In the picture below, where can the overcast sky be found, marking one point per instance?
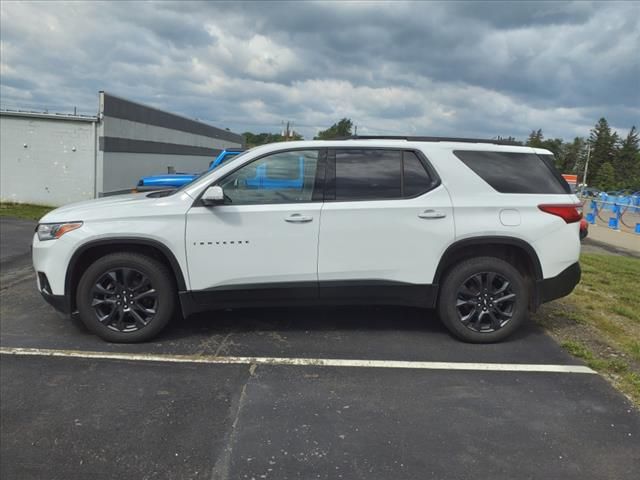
(457, 69)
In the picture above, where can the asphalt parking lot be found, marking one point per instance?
(213, 398)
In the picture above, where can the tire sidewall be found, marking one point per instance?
(160, 279)
(462, 271)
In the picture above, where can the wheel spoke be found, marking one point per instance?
(148, 293)
(495, 323)
(142, 308)
(140, 322)
(466, 292)
(465, 319)
(462, 302)
(490, 278)
(503, 288)
(102, 301)
(508, 297)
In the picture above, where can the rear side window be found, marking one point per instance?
(363, 174)
(367, 174)
(514, 172)
(416, 180)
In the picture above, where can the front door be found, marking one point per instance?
(264, 239)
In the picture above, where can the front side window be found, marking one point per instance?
(283, 177)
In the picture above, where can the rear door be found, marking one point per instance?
(385, 223)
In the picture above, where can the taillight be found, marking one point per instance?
(569, 213)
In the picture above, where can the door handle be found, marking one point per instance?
(298, 218)
(432, 214)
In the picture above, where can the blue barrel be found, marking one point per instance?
(591, 218)
(613, 223)
(638, 228)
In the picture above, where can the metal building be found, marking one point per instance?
(55, 159)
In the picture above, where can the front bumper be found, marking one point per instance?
(560, 285)
(59, 302)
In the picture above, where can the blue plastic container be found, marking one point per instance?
(613, 223)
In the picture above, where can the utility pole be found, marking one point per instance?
(586, 168)
(287, 133)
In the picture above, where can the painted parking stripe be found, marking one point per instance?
(316, 362)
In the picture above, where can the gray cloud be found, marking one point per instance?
(454, 68)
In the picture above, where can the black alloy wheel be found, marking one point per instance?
(483, 299)
(124, 300)
(485, 302)
(126, 297)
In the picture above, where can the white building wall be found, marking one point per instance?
(47, 161)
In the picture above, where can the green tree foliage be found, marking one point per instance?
(605, 179)
(255, 139)
(603, 144)
(554, 145)
(627, 161)
(573, 156)
(337, 130)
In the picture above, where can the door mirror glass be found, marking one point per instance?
(213, 196)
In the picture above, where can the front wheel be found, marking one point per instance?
(126, 297)
(483, 300)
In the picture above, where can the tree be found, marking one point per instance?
(605, 179)
(535, 139)
(603, 150)
(573, 157)
(255, 139)
(337, 130)
(627, 161)
(554, 145)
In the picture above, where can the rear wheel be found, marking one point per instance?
(126, 297)
(483, 300)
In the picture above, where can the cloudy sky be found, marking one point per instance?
(456, 68)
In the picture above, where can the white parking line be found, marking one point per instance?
(315, 362)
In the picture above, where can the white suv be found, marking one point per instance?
(482, 231)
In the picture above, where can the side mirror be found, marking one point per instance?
(213, 196)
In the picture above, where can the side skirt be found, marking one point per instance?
(361, 292)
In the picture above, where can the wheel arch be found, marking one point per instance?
(514, 250)
(92, 250)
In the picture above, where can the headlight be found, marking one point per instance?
(51, 231)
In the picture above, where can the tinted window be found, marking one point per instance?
(510, 172)
(283, 177)
(416, 179)
(367, 174)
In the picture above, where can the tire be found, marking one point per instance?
(493, 315)
(134, 295)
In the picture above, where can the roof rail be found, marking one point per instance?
(430, 139)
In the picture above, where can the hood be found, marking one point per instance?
(86, 209)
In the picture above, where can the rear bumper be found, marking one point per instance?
(560, 285)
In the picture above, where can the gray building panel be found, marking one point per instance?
(115, 144)
(127, 110)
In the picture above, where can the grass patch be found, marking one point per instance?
(24, 210)
(600, 321)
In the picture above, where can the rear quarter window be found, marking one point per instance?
(515, 172)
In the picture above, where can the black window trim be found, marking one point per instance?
(318, 188)
(330, 183)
